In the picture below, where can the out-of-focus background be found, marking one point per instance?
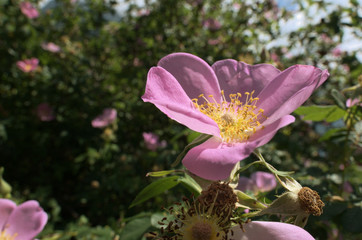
(76, 136)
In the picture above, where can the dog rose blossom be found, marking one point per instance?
(28, 10)
(240, 105)
(28, 65)
(21, 222)
(107, 117)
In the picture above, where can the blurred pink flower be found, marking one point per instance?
(351, 102)
(346, 68)
(213, 41)
(51, 47)
(28, 10)
(240, 105)
(28, 65)
(326, 39)
(347, 187)
(337, 52)
(137, 62)
(258, 182)
(21, 222)
(143, 12)
(212, 24)
(45, 112)
(259, 230)
(152, 141)
(108, 116)
(274, 57)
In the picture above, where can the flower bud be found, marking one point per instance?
(5, 188)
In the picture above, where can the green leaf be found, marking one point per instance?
(197, 141)
(160, 173)
(319, 113)
(135, 229)
(157, 217)
(155, 189)
(338, 98)
(247, 166)
(331, 133)
(277, 172)
(191, 185)
(248, 201)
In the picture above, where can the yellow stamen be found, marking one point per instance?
(27, 67)
(237, 120)
(5, 236)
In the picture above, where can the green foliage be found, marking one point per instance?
(320, 113)
(155, 188)
(79, 172)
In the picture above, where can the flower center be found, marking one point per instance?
(5, 236)
(201, 228)
(237, 120)
(28, 67)
(310, 201)
(209, 217)
(201, 231)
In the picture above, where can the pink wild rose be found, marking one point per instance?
(351, 102)
(269, 231)
(258, 182)
(45, 112)
(28, 65)
(21, 222)
(108, 116)
(28, 10)
(152, 141)
(212, 24)
(51, 47)
(240, 105)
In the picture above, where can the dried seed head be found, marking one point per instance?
(310, 201)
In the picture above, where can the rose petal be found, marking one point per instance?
(245, 184)
(240, 77)
(27, 220)
(270, 231)
(6, 208)
(263, 136)
(194, 74)
(264, 181)
(163, 90)
(214, 160)
(289, 90)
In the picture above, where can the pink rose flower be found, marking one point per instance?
(28, 10)
(28, 65)
(213, 41)
(21, 222)
(152, 141)
(274, 57)
(212, 24)
(337, 52)
(45, 112)
(271, 231)
(351, 102)
(240, 105)
(347, 187)
(326, 39)
(108, 116)
(258, 182)
(51, 47)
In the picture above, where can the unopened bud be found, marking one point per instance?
(5, 188)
